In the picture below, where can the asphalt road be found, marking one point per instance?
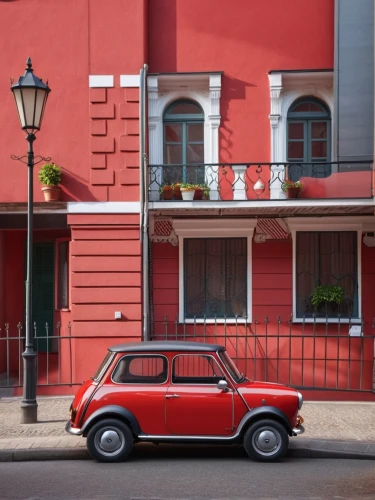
(196, 473)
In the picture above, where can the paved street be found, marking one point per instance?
(171, 474)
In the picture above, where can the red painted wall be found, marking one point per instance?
(246, 40)
(67, 42)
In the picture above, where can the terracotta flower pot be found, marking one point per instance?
(177, 192)
(292, 192)
(51, 193)
(198, 195)
(167, 193)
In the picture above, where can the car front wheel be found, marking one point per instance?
(266, 441)
(109, 440)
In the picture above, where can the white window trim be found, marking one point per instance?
(285, 88)
(355, 224)
(207, 228)
(203, 88)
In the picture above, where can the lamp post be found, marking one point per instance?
(30, 94)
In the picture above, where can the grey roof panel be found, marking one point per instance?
(165, 345)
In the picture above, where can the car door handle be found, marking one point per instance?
(170, 396)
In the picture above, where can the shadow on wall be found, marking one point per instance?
(75, 188)
(231, 89)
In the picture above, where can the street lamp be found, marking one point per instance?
(30, 94)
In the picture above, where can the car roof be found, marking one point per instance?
(165, 345)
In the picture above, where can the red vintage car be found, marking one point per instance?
(181, 392)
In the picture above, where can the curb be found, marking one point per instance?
(43, 454)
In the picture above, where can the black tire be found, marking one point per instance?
(266, 441)
(109, 440)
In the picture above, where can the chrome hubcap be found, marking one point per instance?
(266, 441)
(109, 441)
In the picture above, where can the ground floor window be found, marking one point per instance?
(326, 266)
(215, 278)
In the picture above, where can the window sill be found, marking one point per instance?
(218, 321)
(336, 321)
(63, 310)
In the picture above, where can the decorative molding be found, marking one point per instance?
(205, 89)
(99, 81)
(105, 207)
(129, 81)
(285, 88)
(161, 231)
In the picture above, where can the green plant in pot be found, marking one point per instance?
(50, 177)
(331, 296)
(291, 189)
(202, 191)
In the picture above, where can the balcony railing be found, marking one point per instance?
(263, 181)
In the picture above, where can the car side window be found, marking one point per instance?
(145, 369)
(196, 369)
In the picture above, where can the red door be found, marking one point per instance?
(193, 404)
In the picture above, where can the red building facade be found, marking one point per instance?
(238, 99)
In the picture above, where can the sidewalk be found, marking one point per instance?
(344, 430)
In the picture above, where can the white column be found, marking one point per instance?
(239, 183)
(277, 172)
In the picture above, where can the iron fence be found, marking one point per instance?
(310, 355)
(255, 181)
(314, 354)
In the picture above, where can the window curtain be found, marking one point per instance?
(215, 277)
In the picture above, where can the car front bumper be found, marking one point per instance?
(73, 430)
(298, 430)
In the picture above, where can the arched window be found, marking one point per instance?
(309, 138)
(183, 123)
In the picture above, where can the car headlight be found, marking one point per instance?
(300, 400)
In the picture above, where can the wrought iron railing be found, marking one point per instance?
(263, 181)
(308, 355)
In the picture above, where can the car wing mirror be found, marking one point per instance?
(223, 385)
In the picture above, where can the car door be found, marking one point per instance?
(194, 405)
(142, 382)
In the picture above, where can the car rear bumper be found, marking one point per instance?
(73, 430)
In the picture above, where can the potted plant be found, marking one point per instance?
(50, 177)
(187, 191)
(292, 189)
(202, 192)
(177, 191)
(166, 192)
(329, 295)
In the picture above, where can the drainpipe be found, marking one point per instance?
(144, 201)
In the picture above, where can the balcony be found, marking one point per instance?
(263, 182)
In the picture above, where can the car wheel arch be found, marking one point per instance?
(114, 412)
(265, 412)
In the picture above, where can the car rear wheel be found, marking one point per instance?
(266, 441)
(109, 440)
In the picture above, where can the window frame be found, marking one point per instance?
(192, 383)
(57, 243)
(330, 224)
(145, 355)
(211, 228)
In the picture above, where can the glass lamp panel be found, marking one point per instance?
(18, 98)
(41, 97)
(29, 99)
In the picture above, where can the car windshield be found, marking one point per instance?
(103, 366)
(231, 367)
